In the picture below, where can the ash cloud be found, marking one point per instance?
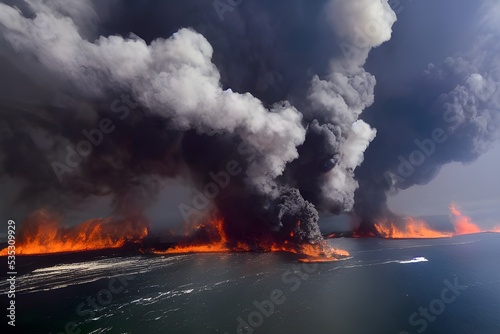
(449, 114)
(270, 76)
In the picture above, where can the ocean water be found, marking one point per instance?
(385, 287)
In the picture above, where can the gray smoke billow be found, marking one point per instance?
(451, 114)
(180, 88)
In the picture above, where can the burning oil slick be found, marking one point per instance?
(43, 233)
(397, 227)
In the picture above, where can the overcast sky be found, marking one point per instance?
(475, 188)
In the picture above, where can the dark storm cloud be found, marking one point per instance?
(450, 113)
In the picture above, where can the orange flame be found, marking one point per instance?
(462, 223)
(358, 235)
(413, 229)
(321, 252)
(42, 233)
(218, 242)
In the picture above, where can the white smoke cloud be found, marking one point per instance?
(174, 77)
(339, 184)
(482, 88)
(348, 89)
(371, 19)
(357, 142)
(177, 78)
(342, 97)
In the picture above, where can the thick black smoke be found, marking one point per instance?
(450, 114)
(176, 89)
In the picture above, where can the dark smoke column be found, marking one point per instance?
(306, 138)
(449, 114)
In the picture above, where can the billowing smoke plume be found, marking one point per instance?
(450, 115)
(178, 90)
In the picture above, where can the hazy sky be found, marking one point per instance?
(429, 32)
(475, 188)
